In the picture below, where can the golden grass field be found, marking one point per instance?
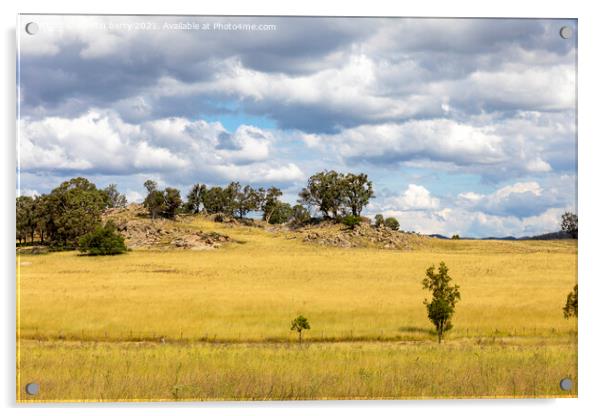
(214, 325)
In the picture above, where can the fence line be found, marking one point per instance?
(320, 336)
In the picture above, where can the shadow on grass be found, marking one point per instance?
(416, 330)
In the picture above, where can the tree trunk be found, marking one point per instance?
(268, 216)
(299, 336)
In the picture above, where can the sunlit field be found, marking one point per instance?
(215, 324)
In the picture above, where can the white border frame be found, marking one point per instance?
(590, 68)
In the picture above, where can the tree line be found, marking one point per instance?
(331, 194)
(74, 208)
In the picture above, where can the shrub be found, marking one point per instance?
(103, 241)
(392, 223)
(570, 308)
(351, 221)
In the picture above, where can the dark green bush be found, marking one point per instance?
(351, 221)
(392, 223)
(103, 241)
(570, 308)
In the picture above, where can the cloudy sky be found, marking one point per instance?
(464, 125)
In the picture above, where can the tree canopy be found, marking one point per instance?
(570, 224)
(335, 194)
(75, 207)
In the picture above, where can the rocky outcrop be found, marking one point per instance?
(140, 231)
(364, 235)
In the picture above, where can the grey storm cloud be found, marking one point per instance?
(491, 98)
(411, 60)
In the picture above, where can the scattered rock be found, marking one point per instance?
(364, 235)
(32, 250)
(140, 231)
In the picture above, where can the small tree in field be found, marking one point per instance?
(442, 306)
(299, 324)
(570, 308)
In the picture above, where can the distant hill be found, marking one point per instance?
(440, 236)
(558, 235)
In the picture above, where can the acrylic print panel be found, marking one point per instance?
(283, 208)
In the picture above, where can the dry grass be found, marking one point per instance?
(249, 291)
(151, 371)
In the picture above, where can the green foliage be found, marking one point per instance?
(324, 190)
(150, 185)
(300, 215)
(392, 223)
(114, 199)
(280, 213)
(245, 199)
(570, 308)
(161, 202)
(70, 210)
(154, 202)
(444, 298)
(299, 324)
(357, 191)
(103, 241)
(173, 201)
(379, 221)
(455, 237)
(570, 224)
(351, 221)
(42, 215)
(333, 193)
(214, 201)
(74, 209)
(26, 222)
(195, 198)
(268, 203)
